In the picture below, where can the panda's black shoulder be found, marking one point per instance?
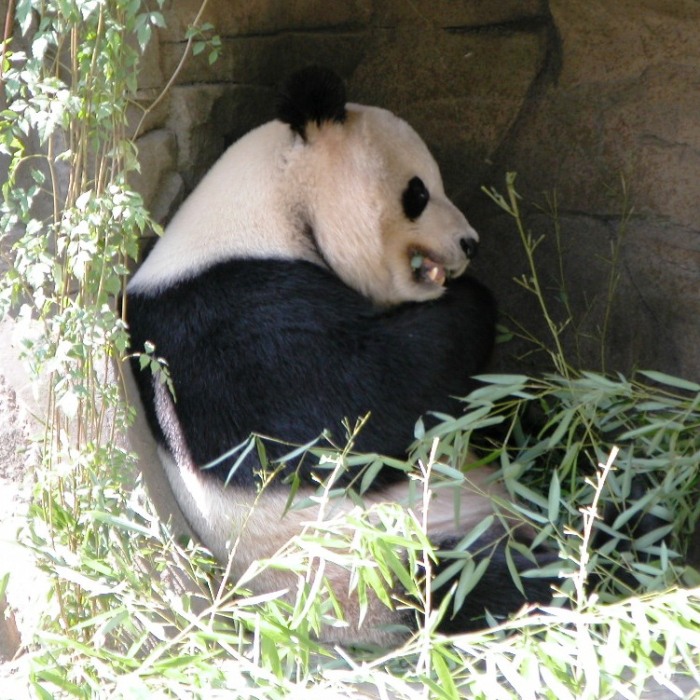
(312, 94)
(280, 291)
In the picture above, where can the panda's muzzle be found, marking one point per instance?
(431, 269)
(426, 269)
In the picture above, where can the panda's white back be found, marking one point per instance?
(236, 210)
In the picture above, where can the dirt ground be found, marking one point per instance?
(25, 595)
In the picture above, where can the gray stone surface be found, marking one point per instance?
(158, 158)
(27, 587)
(264, 60)
(623, 105)
(458, 13)
(463, 98)
(266, 16)
(207, 118)
(12, 497)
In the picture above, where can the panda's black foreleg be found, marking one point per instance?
(495, 591)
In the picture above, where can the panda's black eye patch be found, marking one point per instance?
(415, 198)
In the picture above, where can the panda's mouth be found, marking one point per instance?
(427, 270)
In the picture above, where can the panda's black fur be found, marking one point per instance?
(278, 344)
(314, 95)
(285, 349)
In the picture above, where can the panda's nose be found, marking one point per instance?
(470, 246)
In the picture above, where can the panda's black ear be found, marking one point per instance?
(313, 94)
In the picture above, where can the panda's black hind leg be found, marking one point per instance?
(495, 591)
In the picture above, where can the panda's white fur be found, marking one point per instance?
(342, 180)
(330, 195)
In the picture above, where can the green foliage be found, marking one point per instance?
(202, 38)
(157, 366)
(75, 223)
(147, 638)
(134, 614)
(567, 326)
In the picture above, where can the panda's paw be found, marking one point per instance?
(496, 592)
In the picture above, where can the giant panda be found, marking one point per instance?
(314, 276)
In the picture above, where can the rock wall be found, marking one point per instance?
(593, 104)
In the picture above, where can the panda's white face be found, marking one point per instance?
(363, 197)
(377, 208)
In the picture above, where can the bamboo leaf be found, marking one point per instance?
(669, 380)
(554, 498)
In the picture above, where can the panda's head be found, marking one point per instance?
(370, 195)
(346, 186)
